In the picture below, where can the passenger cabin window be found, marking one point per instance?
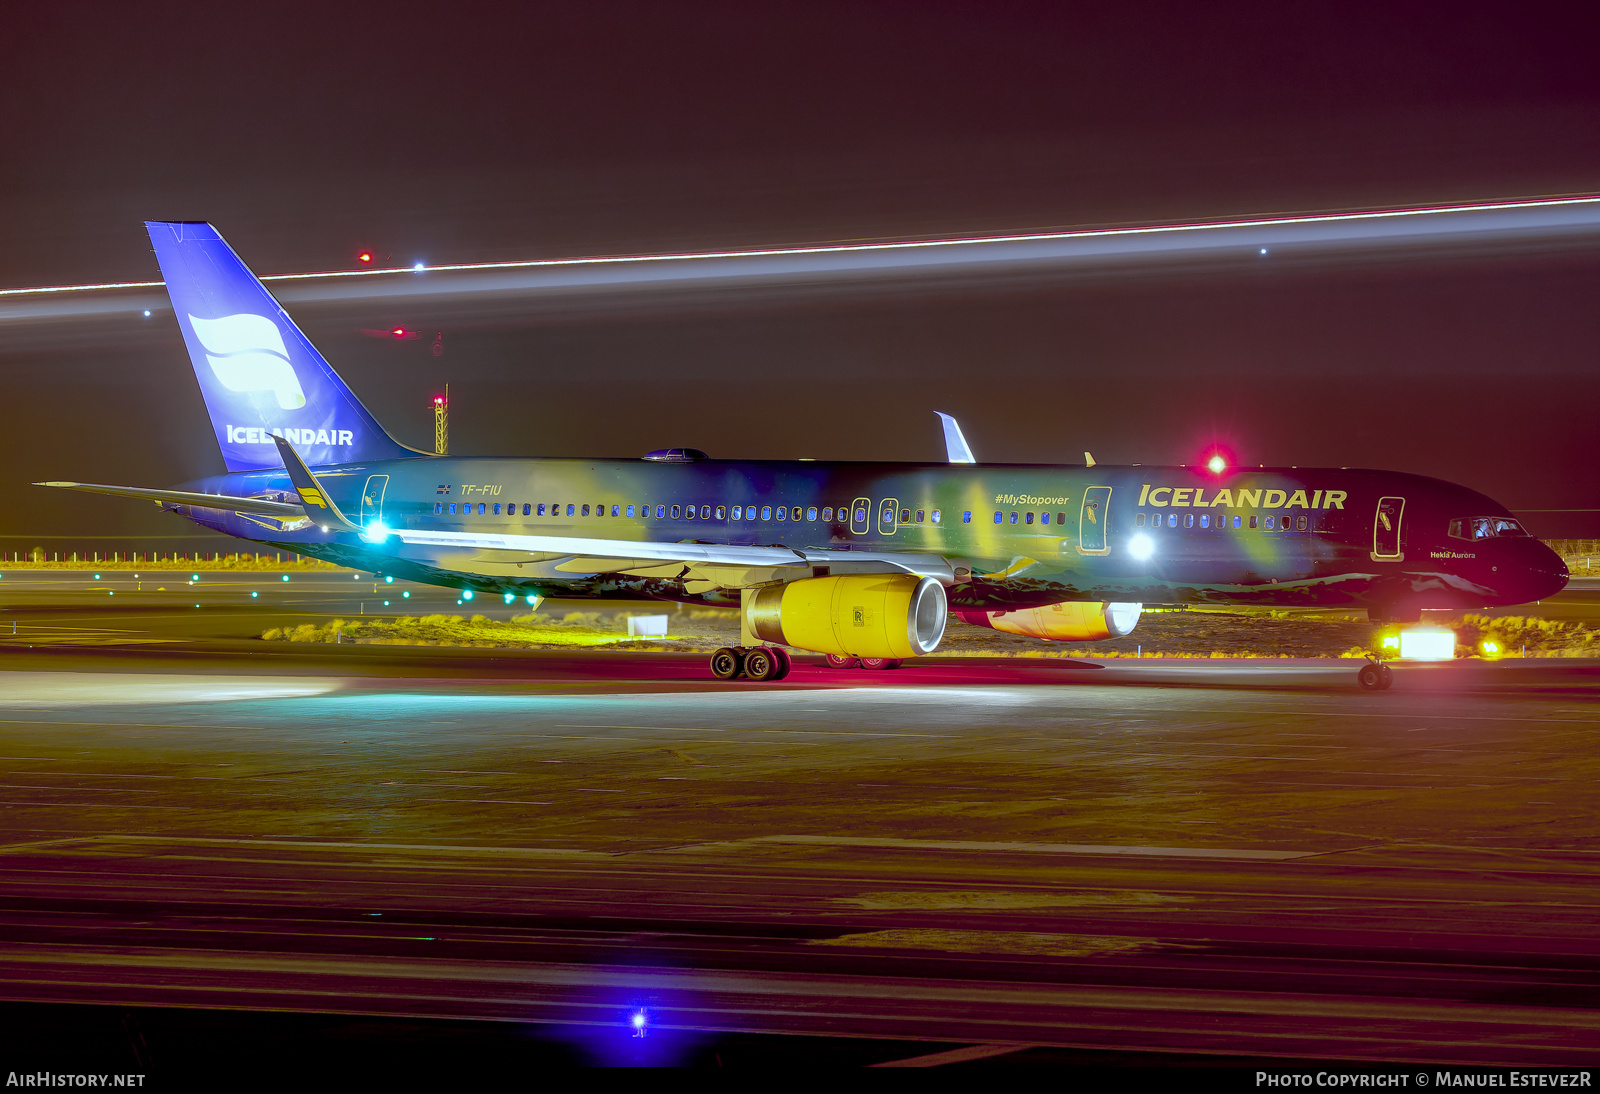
(861, 516)
(585, 510)
(722, 512)
(452, 509)
(1236, 522)
(676, 510)
(966, 516)
(905, 516)
(438, 507)
(705, 512)
(766, 512)
(570, 510)
(1013, 518)
(781, 513)
(1029, 519)
(811, 512)
(998, 517)
(1205, 520)
(1061, 518)
(661, 510)
(527, 509)
(936, 516)
(1138, 520)
(497, 509)
(1188, 520)
(630, 510)
(1270, 523)
(1300, 524)
(1252, 520)
(1044, 518)
(920, 513)
(738, 512)
(827, 513)
(1172, 520)
(480, 508)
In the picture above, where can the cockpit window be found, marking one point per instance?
(1486, 528)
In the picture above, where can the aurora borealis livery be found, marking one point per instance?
(1056, 551)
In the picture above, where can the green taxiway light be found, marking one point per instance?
(286, 577)
(253, 593)
(388, 581)
(406, 594)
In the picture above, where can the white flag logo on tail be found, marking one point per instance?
(247, 353)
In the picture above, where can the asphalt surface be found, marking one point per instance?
(1063, 861)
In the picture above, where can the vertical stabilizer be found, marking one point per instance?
(955, 445)
(260, 376)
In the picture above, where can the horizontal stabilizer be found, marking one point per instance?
(260, 506)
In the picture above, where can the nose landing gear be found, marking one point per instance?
(759, 663)
(1375, 675)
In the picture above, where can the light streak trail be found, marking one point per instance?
(1262, 237)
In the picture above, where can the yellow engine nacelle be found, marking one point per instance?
(855, 615)
(1069, 621)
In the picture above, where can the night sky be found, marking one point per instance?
(473, 133)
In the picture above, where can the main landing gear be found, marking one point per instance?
(842, 661)
(752, 662)
(1375, 675)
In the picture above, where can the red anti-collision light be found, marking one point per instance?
(364, 256)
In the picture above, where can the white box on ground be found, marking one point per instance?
(644, 626)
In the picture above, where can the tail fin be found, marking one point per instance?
(260, 376)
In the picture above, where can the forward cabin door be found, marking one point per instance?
(1386, 529)
(372, 499)
(861, 517)
(1094, 519)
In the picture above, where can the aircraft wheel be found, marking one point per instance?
(760, 664)
(1385, 677)
(1370, 678)
(840, 661)
(785, 662)
(726, 664)
(879, 663)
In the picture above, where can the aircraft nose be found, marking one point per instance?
(1547, 574)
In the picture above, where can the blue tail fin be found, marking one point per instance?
(260, 376)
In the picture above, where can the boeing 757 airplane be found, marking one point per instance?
(862, 562)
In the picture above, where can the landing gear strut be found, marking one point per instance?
(758, 663)
(1375, 675)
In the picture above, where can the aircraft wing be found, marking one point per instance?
(259, 506)
(631, 555)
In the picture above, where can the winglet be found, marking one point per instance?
(1088, 460)
(318, 505)
(955, 445)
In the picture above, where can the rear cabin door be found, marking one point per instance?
(372, 499)
(1386, 528)
(1093, 520)
(888, 516)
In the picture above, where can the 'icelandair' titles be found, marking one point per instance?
(249, 434)
(1195, 498)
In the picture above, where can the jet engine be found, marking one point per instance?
(1069, 621)
(854, 615)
